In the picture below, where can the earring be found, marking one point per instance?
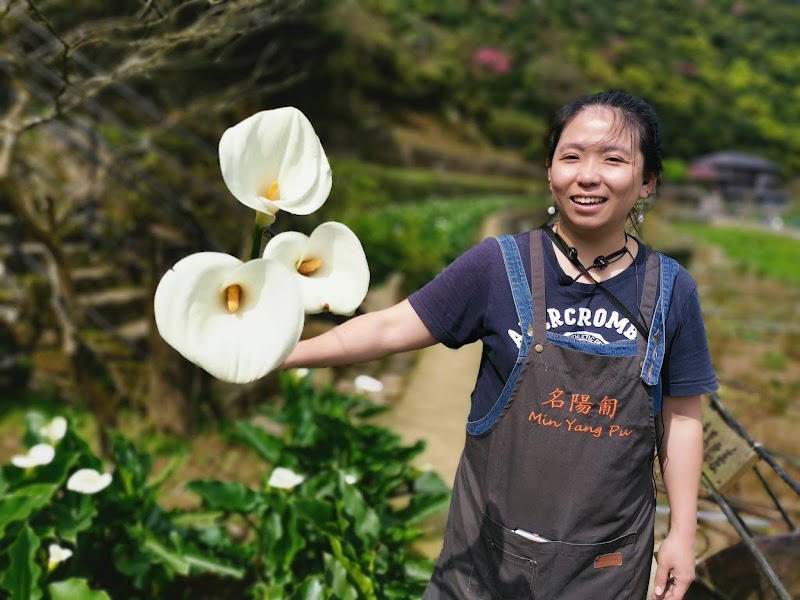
(551, 210)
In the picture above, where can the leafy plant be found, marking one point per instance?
(341, 527)
(345, 531)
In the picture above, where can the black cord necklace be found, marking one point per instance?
(601, 262)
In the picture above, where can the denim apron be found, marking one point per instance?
(554, 495)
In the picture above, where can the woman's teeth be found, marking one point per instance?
(587, 201)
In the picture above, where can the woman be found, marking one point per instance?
(594, 356)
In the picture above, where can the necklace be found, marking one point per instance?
(601, 262)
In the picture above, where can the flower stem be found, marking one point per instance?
(261, 234)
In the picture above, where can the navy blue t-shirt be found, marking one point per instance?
(471, 300)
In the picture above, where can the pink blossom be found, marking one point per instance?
(491, 60)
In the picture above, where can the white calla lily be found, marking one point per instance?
(37, 456)
(365, 383)
(88, 481)
(284, 478)
(330, 266)
(273, 160)
(55, 430)
(55, 555)
(236, 320)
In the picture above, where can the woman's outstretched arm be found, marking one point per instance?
(367, 337)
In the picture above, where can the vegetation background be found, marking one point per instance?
(433, 115)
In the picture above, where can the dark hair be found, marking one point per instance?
(636, 114)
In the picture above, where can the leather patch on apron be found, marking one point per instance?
(608, 560)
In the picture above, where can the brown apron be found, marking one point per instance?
(554, 495)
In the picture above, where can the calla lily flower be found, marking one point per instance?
(37, 456)
(88, 481)
(330, 267)
(55, 430)
(274, 161)
(284, 478)
(55, 555)
(236, 320)
(365, 383)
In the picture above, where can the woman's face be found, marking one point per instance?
(596, 174)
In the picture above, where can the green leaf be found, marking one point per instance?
(230, 496)
(197, 518)
(208, 564)
(337, 574)
(22, 577)
(132, 466)
(420, 507)
(169, 557)
(418, 569)
(312, 589)
(73, 516)
(269, 447)
(367, 523)
(316, 511)
(429, 482)
(20, 504)
(352, 569)
(290, 542)
(75, 589)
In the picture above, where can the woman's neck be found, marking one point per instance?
(590, 247)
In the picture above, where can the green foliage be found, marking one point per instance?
(420, 239)
(360, 185)
(675, 170)
(718, 73)
(344, 531)
(768, 254)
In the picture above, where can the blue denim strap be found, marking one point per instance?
(656, 342)
(520, 290)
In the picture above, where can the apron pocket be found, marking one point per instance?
(499, 571)
(605, 570)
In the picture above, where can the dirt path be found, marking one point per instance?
(435, 400)
(434, 405)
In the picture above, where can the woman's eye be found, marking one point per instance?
(616, 159)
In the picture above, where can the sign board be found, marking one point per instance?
(725, 454)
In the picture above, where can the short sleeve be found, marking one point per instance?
(687, 369)
(454, 304)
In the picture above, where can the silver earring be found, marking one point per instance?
(551, 210)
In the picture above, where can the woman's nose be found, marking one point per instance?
(588, 173)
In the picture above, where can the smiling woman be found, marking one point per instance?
(557, 513)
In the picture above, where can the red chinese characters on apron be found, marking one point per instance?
(555, 500)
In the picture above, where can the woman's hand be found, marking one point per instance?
(676, 567)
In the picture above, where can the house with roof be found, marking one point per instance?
(741, 181)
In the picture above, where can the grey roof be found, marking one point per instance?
(736, 160)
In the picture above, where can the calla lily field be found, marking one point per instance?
(240, 320)
(335, 514)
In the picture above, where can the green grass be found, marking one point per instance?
(768, 254)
